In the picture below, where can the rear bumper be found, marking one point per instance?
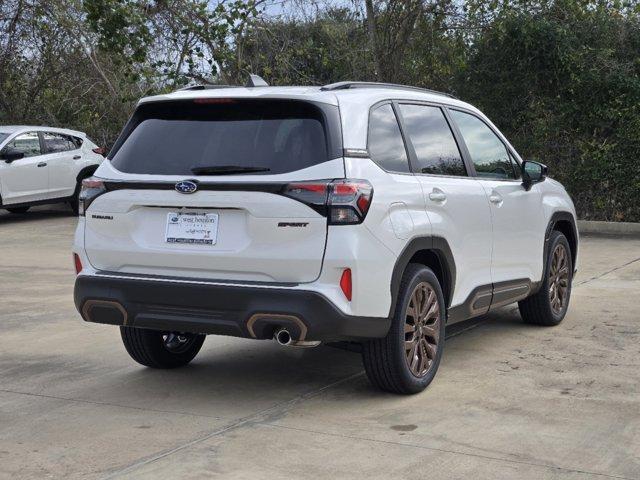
(199, 307)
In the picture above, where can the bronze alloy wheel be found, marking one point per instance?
(422, 329)
(406, 360)
(558, 279)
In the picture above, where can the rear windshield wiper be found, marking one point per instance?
(227, 170)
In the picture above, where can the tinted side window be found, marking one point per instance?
(489, 155)
(76, 141)
(386, 146)
(55, 142)
(436, 148)
(27, 143)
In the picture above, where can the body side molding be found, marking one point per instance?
(485, 298)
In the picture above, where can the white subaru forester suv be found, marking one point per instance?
(358, 212)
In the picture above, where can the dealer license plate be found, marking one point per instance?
(195, 228)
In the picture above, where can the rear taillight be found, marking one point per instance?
(314, 194)
(100, 151)
(92, 188)
(344, 202)
(349, 201)
(77, 263)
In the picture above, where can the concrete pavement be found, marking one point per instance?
(510, 400)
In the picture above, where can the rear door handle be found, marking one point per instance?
(42, 164)
(437, 195)
(77, 157)
(495, 198)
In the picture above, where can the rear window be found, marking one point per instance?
(269, 137)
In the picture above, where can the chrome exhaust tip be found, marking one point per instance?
(283, 337)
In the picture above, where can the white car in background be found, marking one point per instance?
(42, 165)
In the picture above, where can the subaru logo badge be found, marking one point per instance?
(186, 186)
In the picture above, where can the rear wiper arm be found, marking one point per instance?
(227, 170)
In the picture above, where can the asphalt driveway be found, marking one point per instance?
(510, 400)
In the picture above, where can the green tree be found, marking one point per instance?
(562, 80)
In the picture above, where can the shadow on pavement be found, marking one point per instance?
(44, 212)
(244, 371)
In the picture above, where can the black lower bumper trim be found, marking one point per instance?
(241, 311)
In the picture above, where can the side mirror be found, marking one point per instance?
(9, 155)
(533, 172)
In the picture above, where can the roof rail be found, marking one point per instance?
(349, 85)
(205, 87)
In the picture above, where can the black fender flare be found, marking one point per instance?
(86, 172)
(573, 242)
(437, 245)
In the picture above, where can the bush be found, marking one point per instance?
(564, 85)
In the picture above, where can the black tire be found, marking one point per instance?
(148, 347)
(386, 359)
(18, 209)
(538, 309)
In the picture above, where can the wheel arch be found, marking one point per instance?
(565, 223)
(86, 172)
(432, 252)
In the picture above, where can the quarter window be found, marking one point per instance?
(386, 146)
(26, 143)
(488, 154)
(55, 142)
(433, 141)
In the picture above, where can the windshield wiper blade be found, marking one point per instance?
(227, 170)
